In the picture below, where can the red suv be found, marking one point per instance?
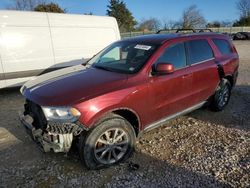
(130, 87)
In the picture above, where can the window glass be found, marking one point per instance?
(223, 46)
(123, 57)
(199, 50)
(175, 55)
(112, 55)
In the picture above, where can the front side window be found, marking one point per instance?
(223, 46)
(175, 54)
(123, 57)
(199, 50)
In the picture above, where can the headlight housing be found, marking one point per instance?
(61, 113)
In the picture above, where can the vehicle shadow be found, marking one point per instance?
(235, 115)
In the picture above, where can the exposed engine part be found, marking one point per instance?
(56, 142)
(57, 137)
(64, 128)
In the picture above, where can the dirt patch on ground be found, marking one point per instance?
(202, 149)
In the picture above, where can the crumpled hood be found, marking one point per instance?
(70, 85)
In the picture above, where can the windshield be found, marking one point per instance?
(123, 57)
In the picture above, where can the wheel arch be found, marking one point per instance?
(127, 113)
(131, 116)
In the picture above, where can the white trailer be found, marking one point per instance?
(33, 42)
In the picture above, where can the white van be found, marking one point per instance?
(32, 43)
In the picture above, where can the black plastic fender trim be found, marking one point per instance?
(220, 70)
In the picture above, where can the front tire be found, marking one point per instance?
(109, 143)
(222, 95)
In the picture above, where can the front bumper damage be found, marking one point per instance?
(57, 136)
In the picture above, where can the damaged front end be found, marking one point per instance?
(49, 134)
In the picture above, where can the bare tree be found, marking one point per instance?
(25, 4)
(149, 24)
(171, 24)
(244, 8)
(192, 18)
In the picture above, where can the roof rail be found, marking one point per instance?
(159, 31)
(181, 30)
(175, 30)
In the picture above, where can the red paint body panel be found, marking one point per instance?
(97, 92)
(205, 80)
(128, 98)
(170, 93)
(82, 85)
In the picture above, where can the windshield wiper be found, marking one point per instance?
(103, 68)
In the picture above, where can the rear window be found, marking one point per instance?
(199, 50)
(223, 46)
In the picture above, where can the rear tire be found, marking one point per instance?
(109, 143)
(221, 96)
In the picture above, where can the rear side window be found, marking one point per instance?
(199, 50)
(223, 46)
(175, 54)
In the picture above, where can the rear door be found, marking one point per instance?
(202, 64)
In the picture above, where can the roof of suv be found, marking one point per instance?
(161, 38)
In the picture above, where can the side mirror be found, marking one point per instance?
(164, 68)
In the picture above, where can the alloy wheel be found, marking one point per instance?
(111, 146)
(224, 95)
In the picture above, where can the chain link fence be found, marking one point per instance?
(229, 30)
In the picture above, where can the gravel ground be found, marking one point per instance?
(201, 149)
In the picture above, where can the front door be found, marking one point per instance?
(171, 92)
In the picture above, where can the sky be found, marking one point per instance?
(221, 10)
